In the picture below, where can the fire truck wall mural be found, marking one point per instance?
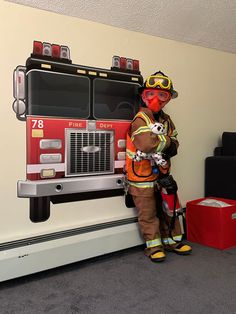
(76, 119)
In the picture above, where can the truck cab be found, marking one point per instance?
(76, 120)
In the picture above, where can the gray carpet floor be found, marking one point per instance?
(127, 282)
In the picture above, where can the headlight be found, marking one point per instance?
(50, 158)
(50, 144)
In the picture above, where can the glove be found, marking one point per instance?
(169, 184)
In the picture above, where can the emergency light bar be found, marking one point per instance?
(125, 64)
(51, 51)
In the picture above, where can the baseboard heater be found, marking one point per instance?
(30, 255)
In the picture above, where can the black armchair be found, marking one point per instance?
(220, 169)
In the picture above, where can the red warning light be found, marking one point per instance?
(38, 48)
(123, 63)
(136, 65)
(56, 50)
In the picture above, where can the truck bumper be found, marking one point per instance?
(52, 187)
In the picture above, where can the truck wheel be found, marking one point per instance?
(39, 208)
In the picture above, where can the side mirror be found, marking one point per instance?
(19, 107)
(19, 92)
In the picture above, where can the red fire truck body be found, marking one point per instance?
(76, 118)
(42, 159)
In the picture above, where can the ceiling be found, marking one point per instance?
(207, 23)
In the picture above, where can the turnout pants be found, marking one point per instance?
(153, 222)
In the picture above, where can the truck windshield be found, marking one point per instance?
(58, 94)
(115, 99)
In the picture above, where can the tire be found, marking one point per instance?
(39, 209)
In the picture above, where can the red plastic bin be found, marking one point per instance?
(211, 226)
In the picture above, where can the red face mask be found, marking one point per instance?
(156, 99)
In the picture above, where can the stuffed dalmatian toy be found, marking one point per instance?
(156, 157)
(159, 129)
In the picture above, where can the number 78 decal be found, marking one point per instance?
(37, 124)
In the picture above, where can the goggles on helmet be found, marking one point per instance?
(161, 94)
(155, 81)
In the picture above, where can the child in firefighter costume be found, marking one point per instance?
(153, 189)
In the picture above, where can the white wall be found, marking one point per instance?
(204, 78)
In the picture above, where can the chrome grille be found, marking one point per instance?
(89, 153)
